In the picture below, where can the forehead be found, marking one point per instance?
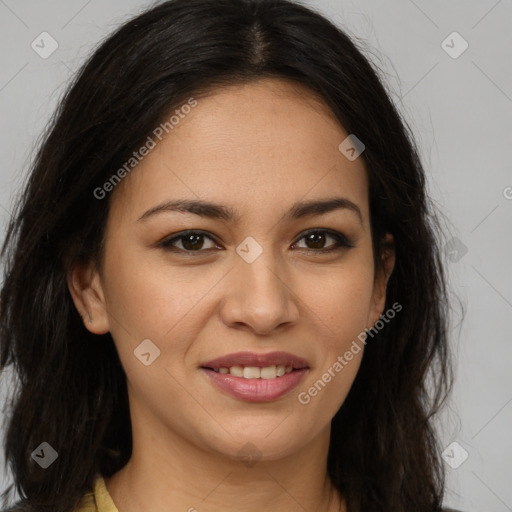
(251, 146)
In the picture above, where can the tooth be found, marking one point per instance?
(268, 372)
(252, 372)
(236, 371)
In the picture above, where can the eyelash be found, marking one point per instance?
(342, 242)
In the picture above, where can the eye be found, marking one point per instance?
(317, 237)
(192, 241)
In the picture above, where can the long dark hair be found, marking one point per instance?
(72, 389)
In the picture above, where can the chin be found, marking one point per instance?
(263, 445)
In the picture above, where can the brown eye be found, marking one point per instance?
(316, 239)
(190, 241)
(194, 242)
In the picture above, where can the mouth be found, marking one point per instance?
(256, 377)
(254, 372)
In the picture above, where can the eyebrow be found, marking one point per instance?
(211, 210)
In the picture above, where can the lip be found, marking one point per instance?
(256, 390)
(258, 360)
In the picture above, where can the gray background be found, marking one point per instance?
(460, 110)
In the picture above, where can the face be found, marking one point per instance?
(209, 324)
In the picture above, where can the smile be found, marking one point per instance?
(256, 377)
(254, 372)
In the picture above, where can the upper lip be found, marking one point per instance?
(258, 360)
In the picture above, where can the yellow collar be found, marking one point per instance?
(99, 500)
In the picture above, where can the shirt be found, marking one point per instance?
(97, 500)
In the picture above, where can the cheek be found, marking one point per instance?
(342, 304)
(325, 392)
(151, 298)
(340, 299)
(167, 305)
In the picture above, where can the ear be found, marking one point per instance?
(381, 279)
(85, 286)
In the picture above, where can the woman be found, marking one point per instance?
(223, 285)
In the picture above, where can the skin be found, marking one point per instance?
(257, 147)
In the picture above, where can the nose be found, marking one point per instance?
(259, 296)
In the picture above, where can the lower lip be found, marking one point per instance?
(256, 390)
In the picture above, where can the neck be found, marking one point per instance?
(171, 474)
